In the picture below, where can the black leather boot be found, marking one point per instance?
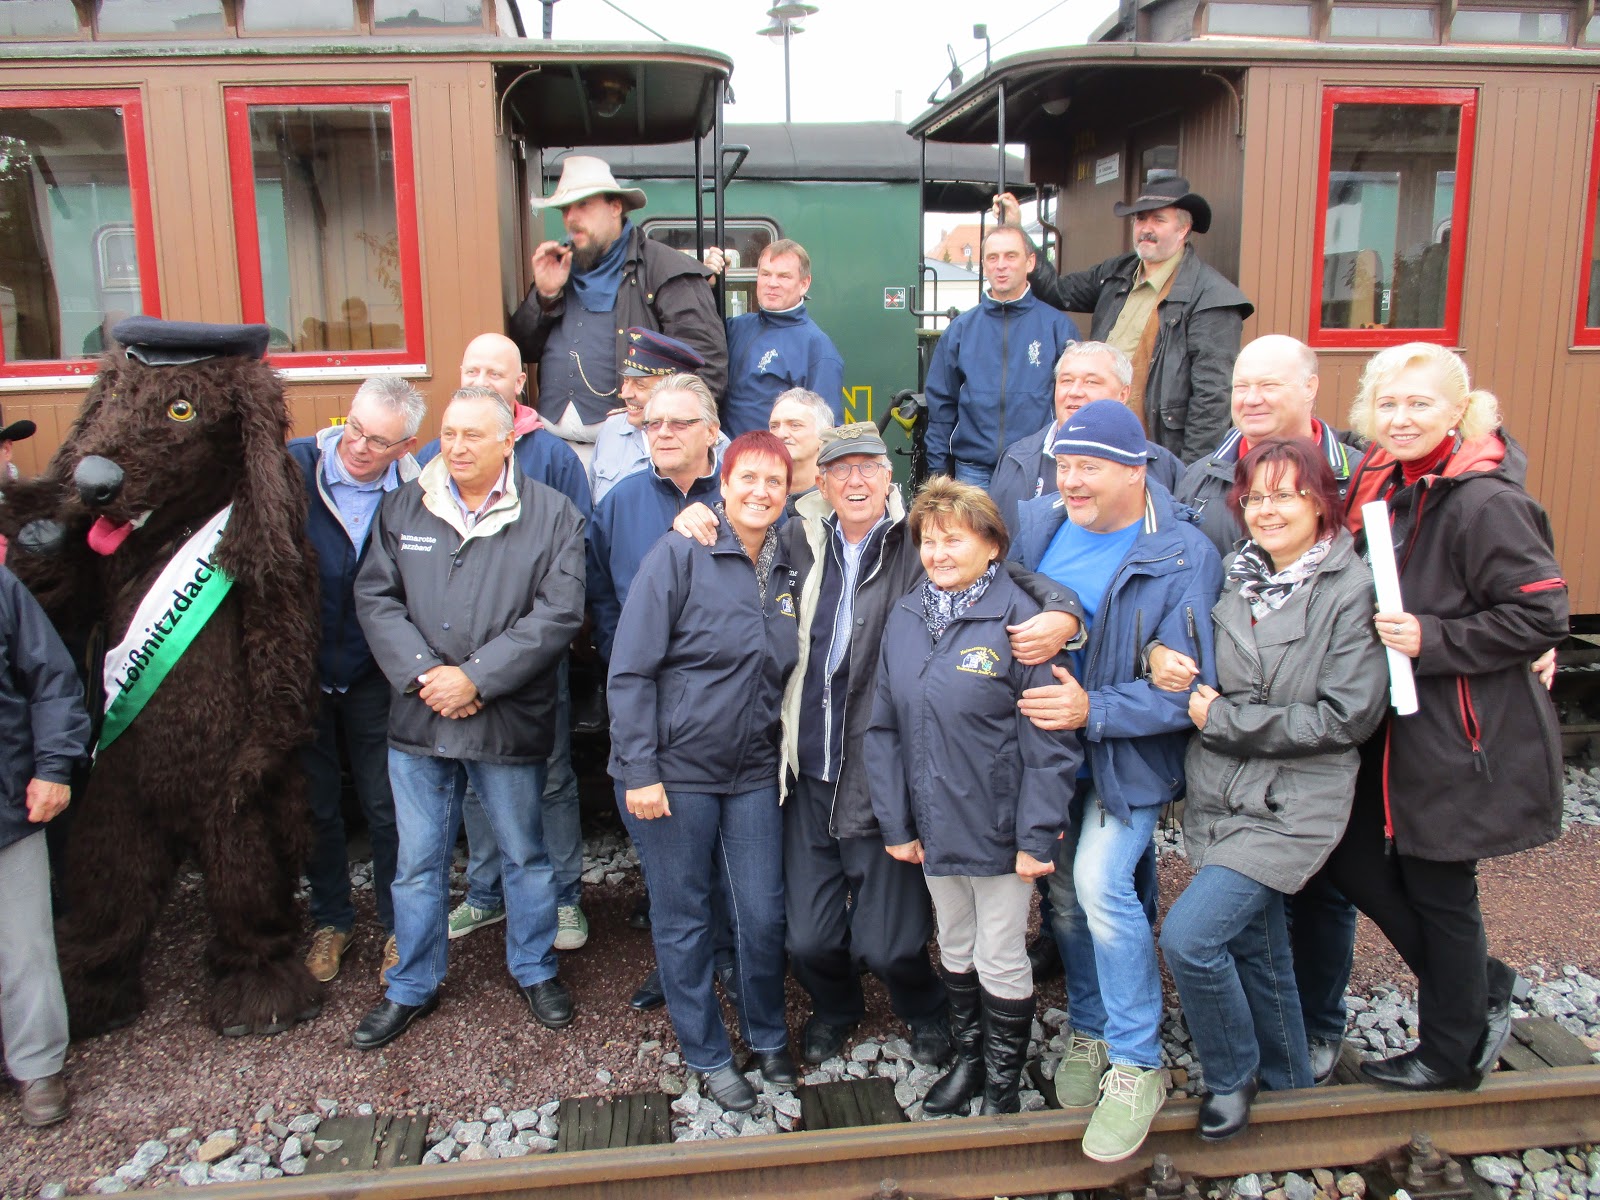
(1007, 1025)
(954, 1090)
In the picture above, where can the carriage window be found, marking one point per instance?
(76, 247)
(325, 208)
(38, 19)
(1390, 237)
(1588, 333)
(1382, 24)
(297, 16)
(182, 17)
(746, 240)
(1510, 27)
(427, 14)
(1258, 20)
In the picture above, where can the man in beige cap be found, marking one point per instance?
(588, 291)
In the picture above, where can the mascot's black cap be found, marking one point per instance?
(158, 343)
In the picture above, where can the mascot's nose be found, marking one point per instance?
(99, 480)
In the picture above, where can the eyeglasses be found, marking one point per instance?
(675, 424)
(867, 470)
(356, 434)
(1280, 499)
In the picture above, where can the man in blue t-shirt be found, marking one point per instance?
(1143, 571)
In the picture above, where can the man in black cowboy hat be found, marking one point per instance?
(15, 432)
(1178, 319)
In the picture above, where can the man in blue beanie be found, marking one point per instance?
(1144, 571)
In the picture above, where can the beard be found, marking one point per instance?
(584, 258)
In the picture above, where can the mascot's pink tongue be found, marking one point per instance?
(105, 535)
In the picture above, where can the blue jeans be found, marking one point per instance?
(977, 474)
(736, 840)
(1227, 947)
(363, 712)
(427, 801)
(1322, 931)
(563, 828)
(1107, 946)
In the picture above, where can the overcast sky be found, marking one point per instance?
(854, 54)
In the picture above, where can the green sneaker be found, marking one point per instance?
(572, 927)
(1079, 1073)
(464, 919)
(1130, 1097)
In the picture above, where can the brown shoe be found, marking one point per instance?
(391, 959)
(44, 1101)
(327, 952)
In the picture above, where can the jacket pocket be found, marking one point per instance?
(1471, 728)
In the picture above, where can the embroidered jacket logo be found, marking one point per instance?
(767, 360)
(1033, 354)
(979, 660)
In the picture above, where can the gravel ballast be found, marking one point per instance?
(166, 1102)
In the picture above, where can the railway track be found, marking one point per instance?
(996, 1156)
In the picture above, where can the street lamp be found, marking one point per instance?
(785, 24)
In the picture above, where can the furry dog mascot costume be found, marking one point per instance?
(172, 511)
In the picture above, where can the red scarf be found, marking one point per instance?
(1429, 464)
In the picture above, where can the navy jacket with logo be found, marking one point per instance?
(769, 353)
(1163, 591)
(950, 760)
(698, 668)
(993, 378)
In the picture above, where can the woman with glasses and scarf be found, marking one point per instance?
(706, 639)
(1301, 684)
(965, 785)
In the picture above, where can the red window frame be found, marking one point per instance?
(1467, 100)
(237, 103)
(131, 101)
(1585, 334)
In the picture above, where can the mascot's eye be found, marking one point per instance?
(181, 410)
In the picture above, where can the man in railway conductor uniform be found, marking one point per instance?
(1177, 318)
(588, 292)
(471, 591)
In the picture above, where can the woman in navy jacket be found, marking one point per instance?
(706, 640)
(965, 785)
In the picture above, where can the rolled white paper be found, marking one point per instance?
(1386, 582)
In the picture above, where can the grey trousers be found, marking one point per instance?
(983, 925)
(33, 1010)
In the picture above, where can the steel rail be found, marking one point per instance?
(989, 1156)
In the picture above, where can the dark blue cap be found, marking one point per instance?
(652, 353)
(1104, 429)
(158, 343)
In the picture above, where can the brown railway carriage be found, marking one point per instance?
(363, 192)
(1364, 194)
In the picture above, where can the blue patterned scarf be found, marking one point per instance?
(940, 607)
(597, 287)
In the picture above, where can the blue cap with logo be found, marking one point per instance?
(652, 353)
(1104, 429)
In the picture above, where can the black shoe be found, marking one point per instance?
(1324, 1058)
(1503, 983)
(776, 1067)
(820, 1041)
(725, 976)
(1044, 956)
(1224, 1114)
(388, 1021)
(954, 1090)
(649, 994)
(730, 1089)
(550, 1003)
(930, 1041)
(639, 918)
(1410, 1072)
(1007, 1026)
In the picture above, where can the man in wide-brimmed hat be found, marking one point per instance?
(1178, 319)
(17, 431)
(588, 291)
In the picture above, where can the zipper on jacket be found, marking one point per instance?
(1005, 350)
(1471, 727)
(1116, 583)
(1138, 642)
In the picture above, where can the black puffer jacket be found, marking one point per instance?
(662, 289)
(1476, 772)
(1188, 393)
